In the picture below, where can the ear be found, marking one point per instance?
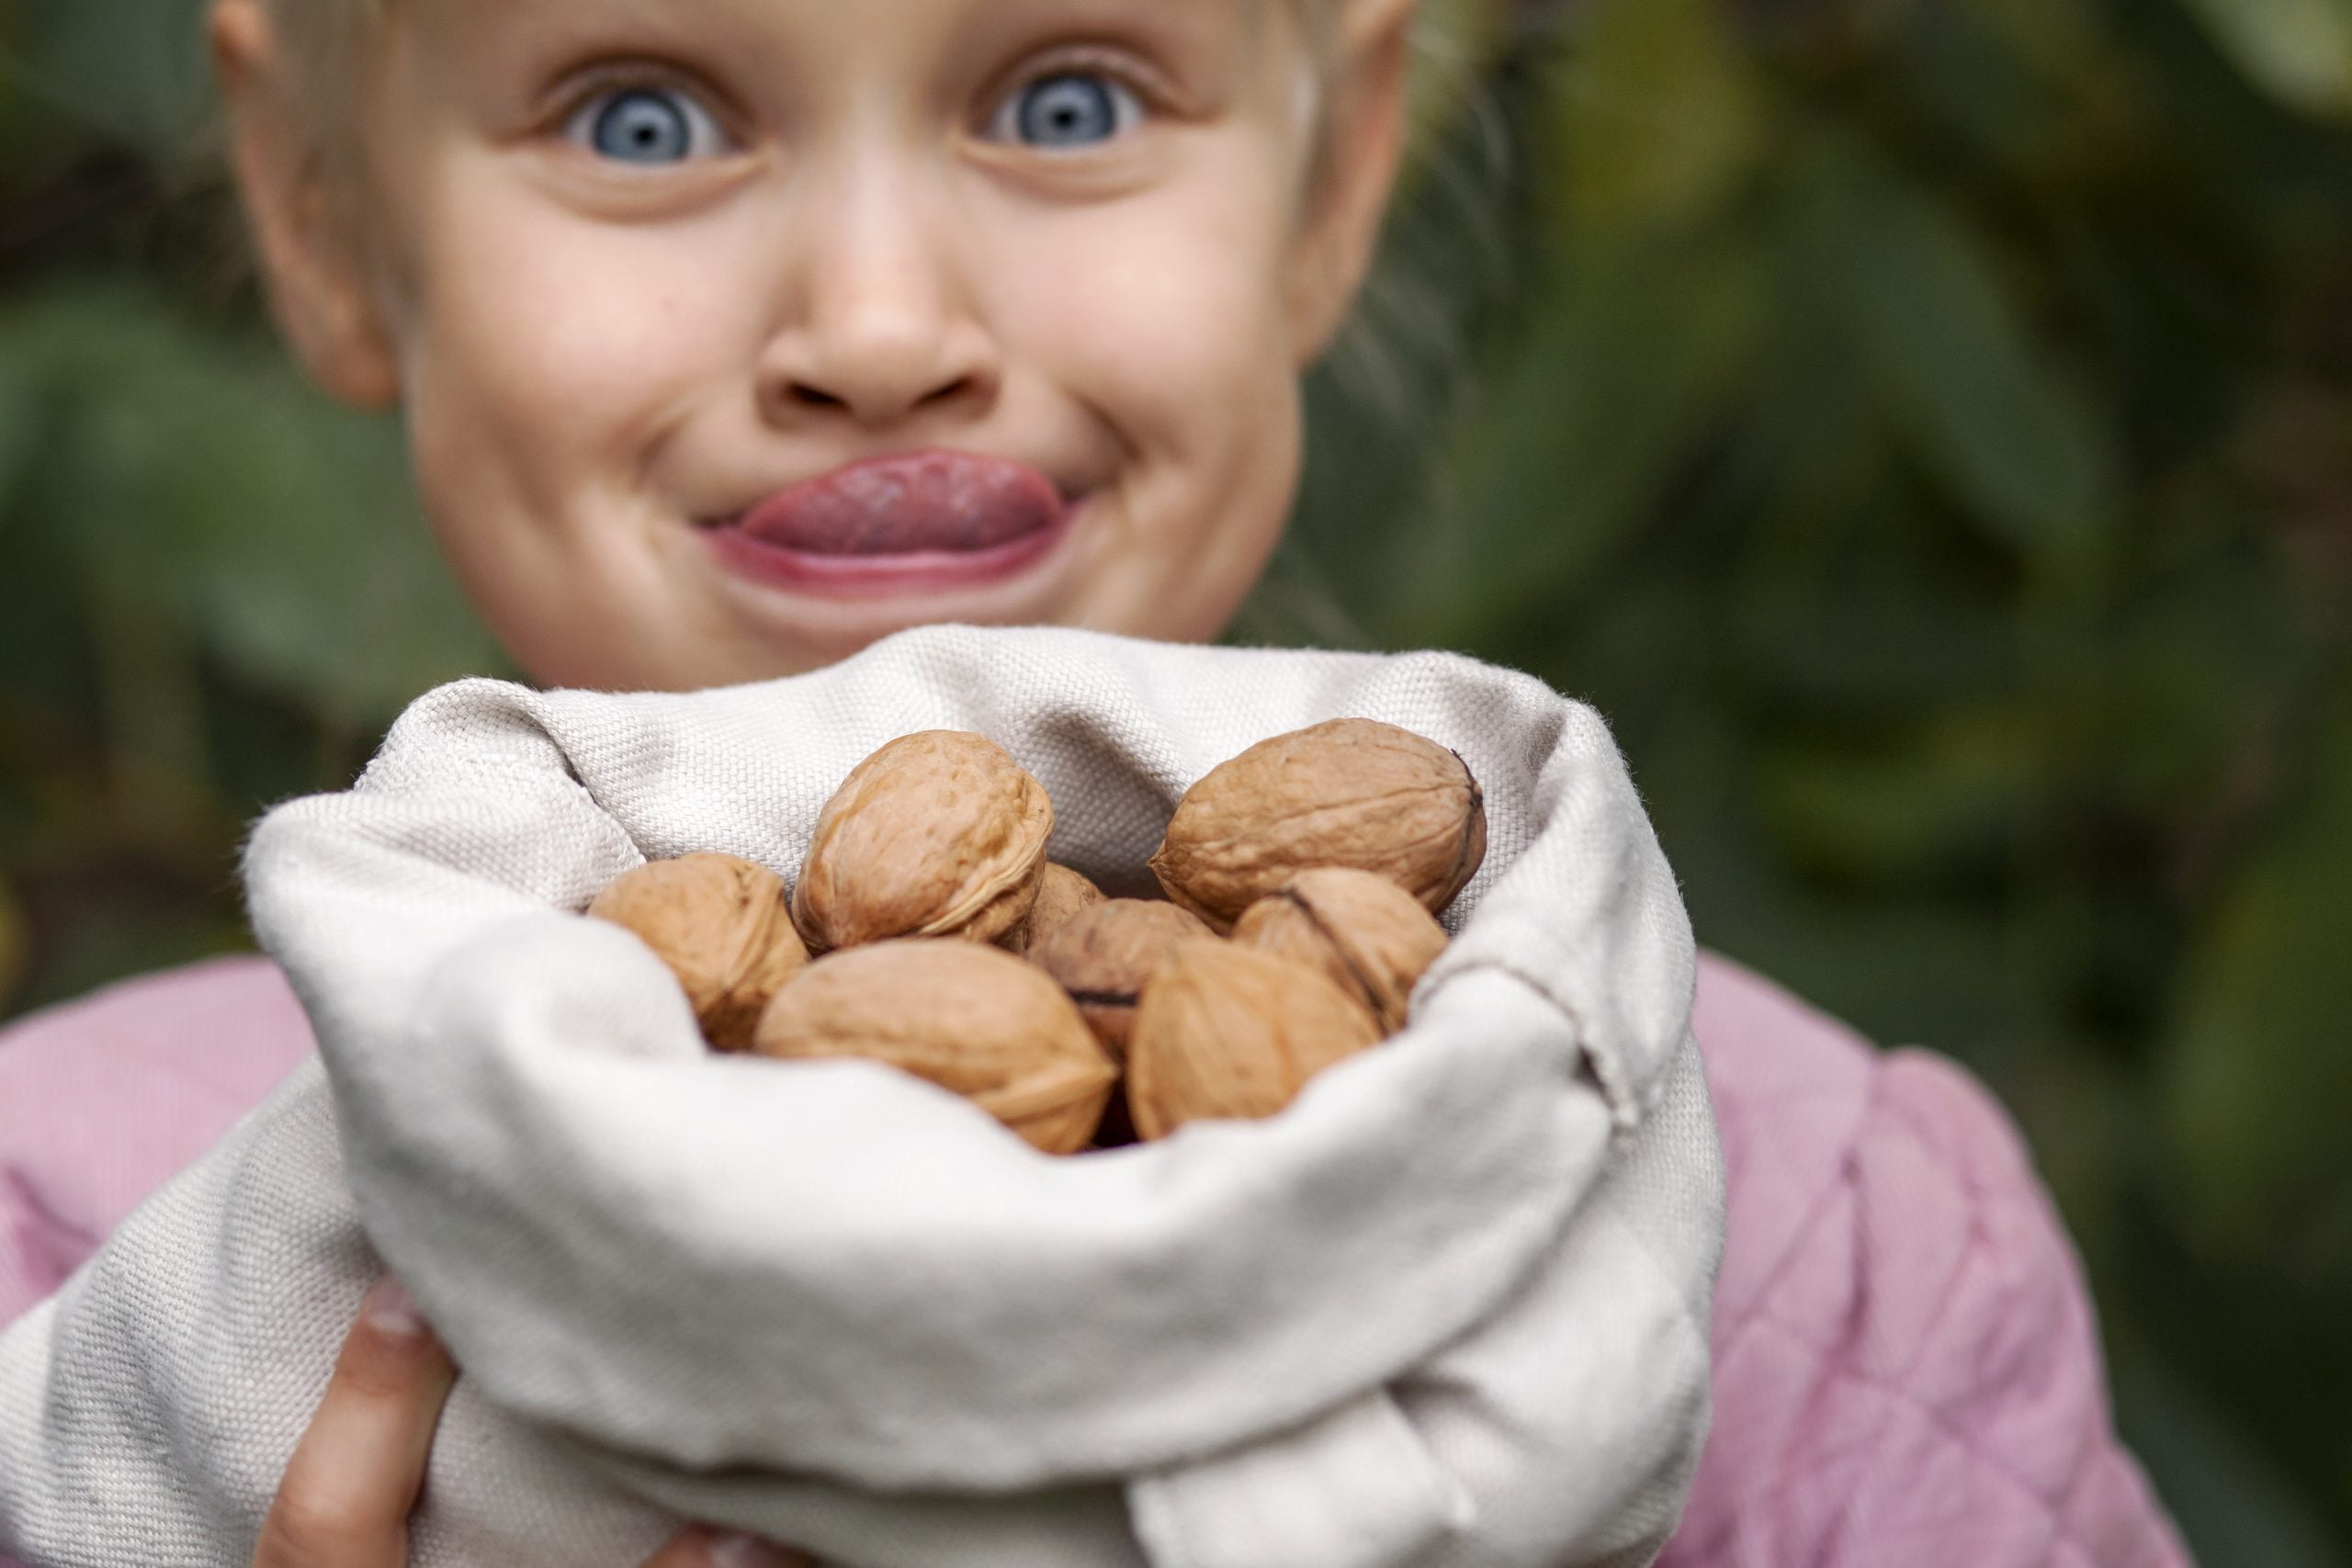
(1363, 146)
(317, 290)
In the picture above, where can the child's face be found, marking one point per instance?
(734, 335)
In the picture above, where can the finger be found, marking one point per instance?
(703, 1547)
(346, 1494)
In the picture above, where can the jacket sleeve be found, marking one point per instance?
(104, 1100)
(1908, 1366)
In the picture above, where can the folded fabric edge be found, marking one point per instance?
(1609, 1076)
(1357, 1488)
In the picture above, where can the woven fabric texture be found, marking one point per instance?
(1450, 1309)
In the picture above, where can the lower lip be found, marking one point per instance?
(882, 577)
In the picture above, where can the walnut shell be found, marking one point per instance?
(1062, 893)
(974, 1020)
(721, 925)
(1103, 955)
(1352, 792)
(1370, 936)
(936, 834)
(1227, 1031)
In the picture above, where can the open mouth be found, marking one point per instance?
(935, 519)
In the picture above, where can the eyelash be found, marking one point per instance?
(1148, 94)
(575, 119)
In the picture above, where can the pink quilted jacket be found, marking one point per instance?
(1907, 1368)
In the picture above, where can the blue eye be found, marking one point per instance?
(1073, 109)
(646, 125)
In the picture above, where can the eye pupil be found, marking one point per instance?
(642, 127)
(1069, 111)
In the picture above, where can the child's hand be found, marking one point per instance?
(344, 1499)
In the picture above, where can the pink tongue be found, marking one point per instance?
(931, 500)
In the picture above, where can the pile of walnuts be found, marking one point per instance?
(1304, 878)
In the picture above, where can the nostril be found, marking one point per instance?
(947, 393)
(868, 394)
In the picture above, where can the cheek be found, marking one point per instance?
(1165, 317)
(1164, 312)
(550, 348)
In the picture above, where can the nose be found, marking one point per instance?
(879, 322)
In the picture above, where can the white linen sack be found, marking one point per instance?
(1449, 1310)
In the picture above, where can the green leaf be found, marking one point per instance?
(1583, 436)
(2298, 52)
(2257, 1076)
(1949, 792)
(279, 533)
(2215, 1481)
(1659, 115)
(130, 71)
(1983, 405)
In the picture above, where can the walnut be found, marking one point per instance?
(1348, 793)
(1103, 955)
(1225, 1032)
(974, 1020)
(1062, 894)
(936, 834)
(721, 925)
(1371, 937)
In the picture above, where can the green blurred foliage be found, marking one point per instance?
(1923, 427)
(214, 587)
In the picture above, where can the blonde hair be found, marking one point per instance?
(327, 43)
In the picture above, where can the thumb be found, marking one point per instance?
(344, 1499)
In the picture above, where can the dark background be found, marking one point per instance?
(1923, 427)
